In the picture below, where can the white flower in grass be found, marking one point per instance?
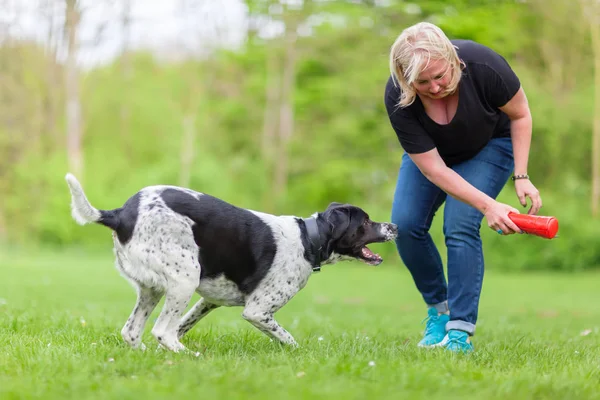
(2, 302)
(111, 360)
(321, 338)
(586, 332)
(300, 374)
(82, 321)
(371, 363)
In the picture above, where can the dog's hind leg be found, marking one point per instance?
(261, 315)
(147, 299)
(178, 296)
(199, 311)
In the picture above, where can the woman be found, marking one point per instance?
(462, 118)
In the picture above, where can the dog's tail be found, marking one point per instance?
(83, 212)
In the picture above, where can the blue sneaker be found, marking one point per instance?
(435, 329)
(457, 342)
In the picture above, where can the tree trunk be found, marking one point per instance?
(2, 226)
(53, 89)
(271, 121)
(595, 34)
(286, 111)
(191, 106)
(74, 120)
(126, 75)
(51, 104)
(187, 148)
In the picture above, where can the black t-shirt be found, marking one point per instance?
(487, 82)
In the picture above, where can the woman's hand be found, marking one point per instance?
(524, 189)
(498, 220)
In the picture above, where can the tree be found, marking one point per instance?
(73, 100)
(286, 108)
(591, 15)
(594, 21)
(281, 59)
(54, 90)
(126, 75)
(202, 43)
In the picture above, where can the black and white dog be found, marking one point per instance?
(174, 242)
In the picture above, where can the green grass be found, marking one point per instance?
(61, 316)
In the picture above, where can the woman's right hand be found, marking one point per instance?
(497, 218)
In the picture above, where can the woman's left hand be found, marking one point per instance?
(524, 189)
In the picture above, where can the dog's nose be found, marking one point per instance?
(392, 230)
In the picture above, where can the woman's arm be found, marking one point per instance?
(433, 167)
(517, 110)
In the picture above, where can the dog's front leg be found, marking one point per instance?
(261, 316)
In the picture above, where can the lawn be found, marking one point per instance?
(61, 315)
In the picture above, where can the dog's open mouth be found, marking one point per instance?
(369, 257)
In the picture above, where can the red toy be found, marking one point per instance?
(538, 225)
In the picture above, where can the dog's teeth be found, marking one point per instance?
(367, 253)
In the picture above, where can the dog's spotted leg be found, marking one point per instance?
(261, 315)
(147, 299)
(199, 311)
(167, 325)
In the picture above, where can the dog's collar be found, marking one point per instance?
(315, 240)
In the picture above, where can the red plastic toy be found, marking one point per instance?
(538, 225)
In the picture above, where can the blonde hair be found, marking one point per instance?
(412, 52)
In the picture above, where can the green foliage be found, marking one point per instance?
(342, 148)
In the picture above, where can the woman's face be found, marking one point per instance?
(433, 81)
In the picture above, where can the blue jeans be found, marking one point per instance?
(416, 201)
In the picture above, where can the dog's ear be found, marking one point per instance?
(334, 204)
(338, 218)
